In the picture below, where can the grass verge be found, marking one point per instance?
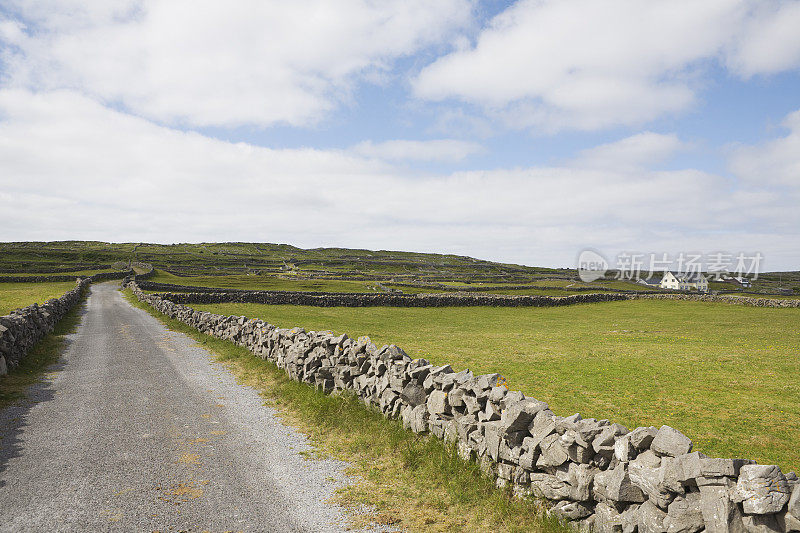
(43, 354)
(413, 482)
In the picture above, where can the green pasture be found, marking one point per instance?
(16, 295)
(726, 375)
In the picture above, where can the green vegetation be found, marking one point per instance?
(16, 295)
(39, 358)
(415, 483)
(76, 273)
(726, 375)
(265, 283)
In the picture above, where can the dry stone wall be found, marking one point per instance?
(736, 300)
(24, 327)
(339, 299)
(62, 277)
(598, 474)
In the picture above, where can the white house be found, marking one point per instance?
(684, 282)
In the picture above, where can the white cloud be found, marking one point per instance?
(769, 41)
(642, 150)
(775, 162)
(238, 62)
(590, 64)
(405, 150)
(74, 169)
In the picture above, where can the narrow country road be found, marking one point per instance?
(137, 429)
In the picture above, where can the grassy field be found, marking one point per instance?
(270, 282)
(15, 295)
(263, 283)
(76, 273)
(726, 375)
(411, 482)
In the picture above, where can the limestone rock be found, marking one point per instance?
(571, 510)
(684, 514)
(671, 442)
(762, 489)
(720, 513)
(413, 394)
(437, 403)
(607, 519)
(651, 519)
(519, 415)
(615, 485)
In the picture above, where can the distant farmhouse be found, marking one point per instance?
(679, 282)
(739, 280)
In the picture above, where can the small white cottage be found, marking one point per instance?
(684, 282)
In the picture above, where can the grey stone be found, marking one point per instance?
(437, 403)
(630, 519)
(642, 437)
(650, 480)
(492, 433)
(607, 519)
(549, 486)
(762, 489)
(671, 442)
(615, 485)
(571, 510)
(720, 513)
(552, 453)
(624, 451)
(490, 413)
(542, 426)
(413, 394)
(606, 438)
(419, 419)
(761, 524)
(789, 522)
(651, 519)
(497, 394)
(519, 415)
(684, 514)
(456, 398)
(794, 501)
(580, 480)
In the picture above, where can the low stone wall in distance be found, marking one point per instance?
(101, 276)
(598, 474)
(736, 300)
(337, 299)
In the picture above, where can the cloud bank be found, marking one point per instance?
(76, 169)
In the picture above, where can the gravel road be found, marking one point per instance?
(137, 429)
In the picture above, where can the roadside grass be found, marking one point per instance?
(726, 375)
(16, 295)
(408, 481)
(43, 354)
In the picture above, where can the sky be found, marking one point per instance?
(520, 132)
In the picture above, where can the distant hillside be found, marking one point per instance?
(264, 258)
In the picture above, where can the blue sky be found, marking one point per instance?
(516, 131)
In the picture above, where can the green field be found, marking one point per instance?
(15, 295)
(76, 273)
(726, 375)
(264, 283)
